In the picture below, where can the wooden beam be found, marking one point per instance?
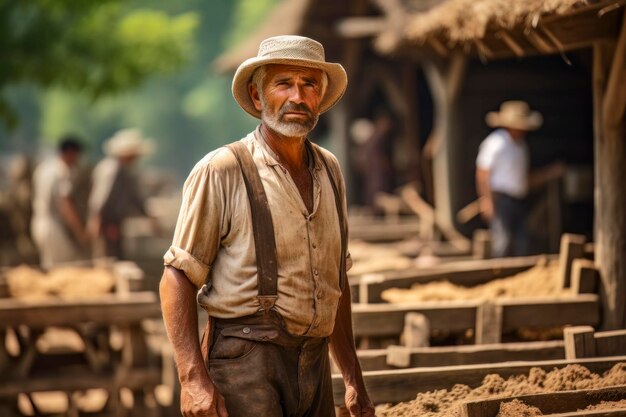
(579, 342)
(548, 403)
(362, 27)
(610, 343)
(584, 277)
(572, 247)
(393, 386)
(488, 323)
(614, 102)
(511, 43)
(378, 359)
(468, 273)
(105, 309)
(383, 320)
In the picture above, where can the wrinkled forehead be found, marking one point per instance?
(286, 71)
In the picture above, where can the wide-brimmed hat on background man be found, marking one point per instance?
(128, 142)
(515, 114)
(290, 50)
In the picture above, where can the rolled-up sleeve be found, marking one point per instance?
(200, 224)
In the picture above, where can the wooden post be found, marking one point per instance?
(481, 244)
(416, 331)
(445, 84)
(609, 76)
(488, 323)
(579, 342)
(584, 277)
(572, 247)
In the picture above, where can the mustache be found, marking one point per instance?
(299, 107)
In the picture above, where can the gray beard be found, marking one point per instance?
(288, 129)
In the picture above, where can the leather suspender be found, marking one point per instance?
(263, 229)
(342, 224)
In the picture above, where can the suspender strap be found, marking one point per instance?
(263, 229)
(340, 213)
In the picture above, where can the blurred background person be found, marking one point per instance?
(115, 193)
(56, 226)
(503, 176)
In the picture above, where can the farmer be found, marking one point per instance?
(503, 176)
(115, 193)
(261, 241)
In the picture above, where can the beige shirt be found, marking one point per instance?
(214, 244)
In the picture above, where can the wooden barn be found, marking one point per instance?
(441, 65)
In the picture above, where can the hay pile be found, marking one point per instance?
(69, 282)
(446, 403)
(540, 280)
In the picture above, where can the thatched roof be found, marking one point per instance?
(285, 19)
(459, 21)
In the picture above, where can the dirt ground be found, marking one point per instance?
(540, 280)
(445, 403)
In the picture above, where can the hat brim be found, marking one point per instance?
(337, 81)
(533, 122)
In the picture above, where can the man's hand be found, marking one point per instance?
(486, 208)
(358, 405)
(199, 399)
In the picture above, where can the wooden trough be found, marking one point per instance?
(394, 386)
(489, 319)
(129, 364)
(553, 403)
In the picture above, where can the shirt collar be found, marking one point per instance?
(271, 159)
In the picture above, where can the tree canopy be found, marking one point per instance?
(96, 47)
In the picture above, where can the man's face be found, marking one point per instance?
(289, 102)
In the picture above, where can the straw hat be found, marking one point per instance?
(290, 50)
(128, 142)
(515, 115)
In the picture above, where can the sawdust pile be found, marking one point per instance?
(608, 405)
(68, 282)
(445, 403)
(540, 280)
(517, 408)
(368, 258)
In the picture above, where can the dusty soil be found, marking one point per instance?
(445, 403)
(25, 282)
(540, 280)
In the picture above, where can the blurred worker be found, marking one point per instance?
(503, 176)
(378, 172)
(57, 228)
(115, 193)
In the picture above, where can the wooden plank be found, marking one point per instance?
(378, 359)
(610, 343)
(594, 413)
(489, 323)
(456, 316)
(388, 319)
(572, 247)
(579, 342)
(548, 403)
(583, 309)
(77, 380)
(468, 273)
(393, 386)
(584, 277)
(105, 309)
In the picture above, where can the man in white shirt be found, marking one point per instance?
(503, 176)
(57, 229)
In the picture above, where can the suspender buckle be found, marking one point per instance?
(267, 302)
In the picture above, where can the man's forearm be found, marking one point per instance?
(178, 303)
(71, 218)
(342, 342)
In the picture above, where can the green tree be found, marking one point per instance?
(96, 47)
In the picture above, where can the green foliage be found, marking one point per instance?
(187, 111)
(91, 46)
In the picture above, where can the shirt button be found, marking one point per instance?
(315, 272)
(246, 330)
(314, 246)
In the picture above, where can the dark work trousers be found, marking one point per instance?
(509, 236)
(261, 370)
